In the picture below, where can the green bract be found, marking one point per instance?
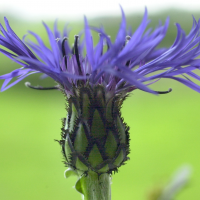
(94, 136)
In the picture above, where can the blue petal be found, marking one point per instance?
(89, 43)
(54, 45)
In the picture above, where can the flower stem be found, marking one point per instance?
(96, 187)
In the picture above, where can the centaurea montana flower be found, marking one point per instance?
(94, 136)
(129, 63)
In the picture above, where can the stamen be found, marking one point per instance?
(57, 39)
(127, 40)
(127, 63)
(128, 37)
(63, 50)
(76, 52)
(164, 92)
(27, 84)
(108, 47)
(102, 48)
(73, 49)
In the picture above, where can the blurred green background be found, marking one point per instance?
(164, 129)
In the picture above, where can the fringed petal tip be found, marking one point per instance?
(133, 59)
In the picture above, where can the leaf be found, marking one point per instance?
(69, 172)
(78, 185)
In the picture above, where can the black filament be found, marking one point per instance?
(27, 84)
(164, 92)
(63, 50)
(76, 52)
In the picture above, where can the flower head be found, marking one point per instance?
(94, 136)
(130, 62)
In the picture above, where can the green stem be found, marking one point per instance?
(96, 187)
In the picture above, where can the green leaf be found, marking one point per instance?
(98, 127)
(80, 165)
(100, 95)
(95, 157)
(86, 104)
(78, 185)
(67, 148)
(73, 117)
(81, 142)
(104, 169)
(109, 110)
(121, 130)
(69, 172)
(119, 158)
(111, 145)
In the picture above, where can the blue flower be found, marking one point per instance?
(130, 62)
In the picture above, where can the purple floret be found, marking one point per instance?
(130, 62)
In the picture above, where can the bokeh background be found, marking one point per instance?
(165, 129)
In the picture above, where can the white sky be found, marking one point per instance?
(37, 9)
